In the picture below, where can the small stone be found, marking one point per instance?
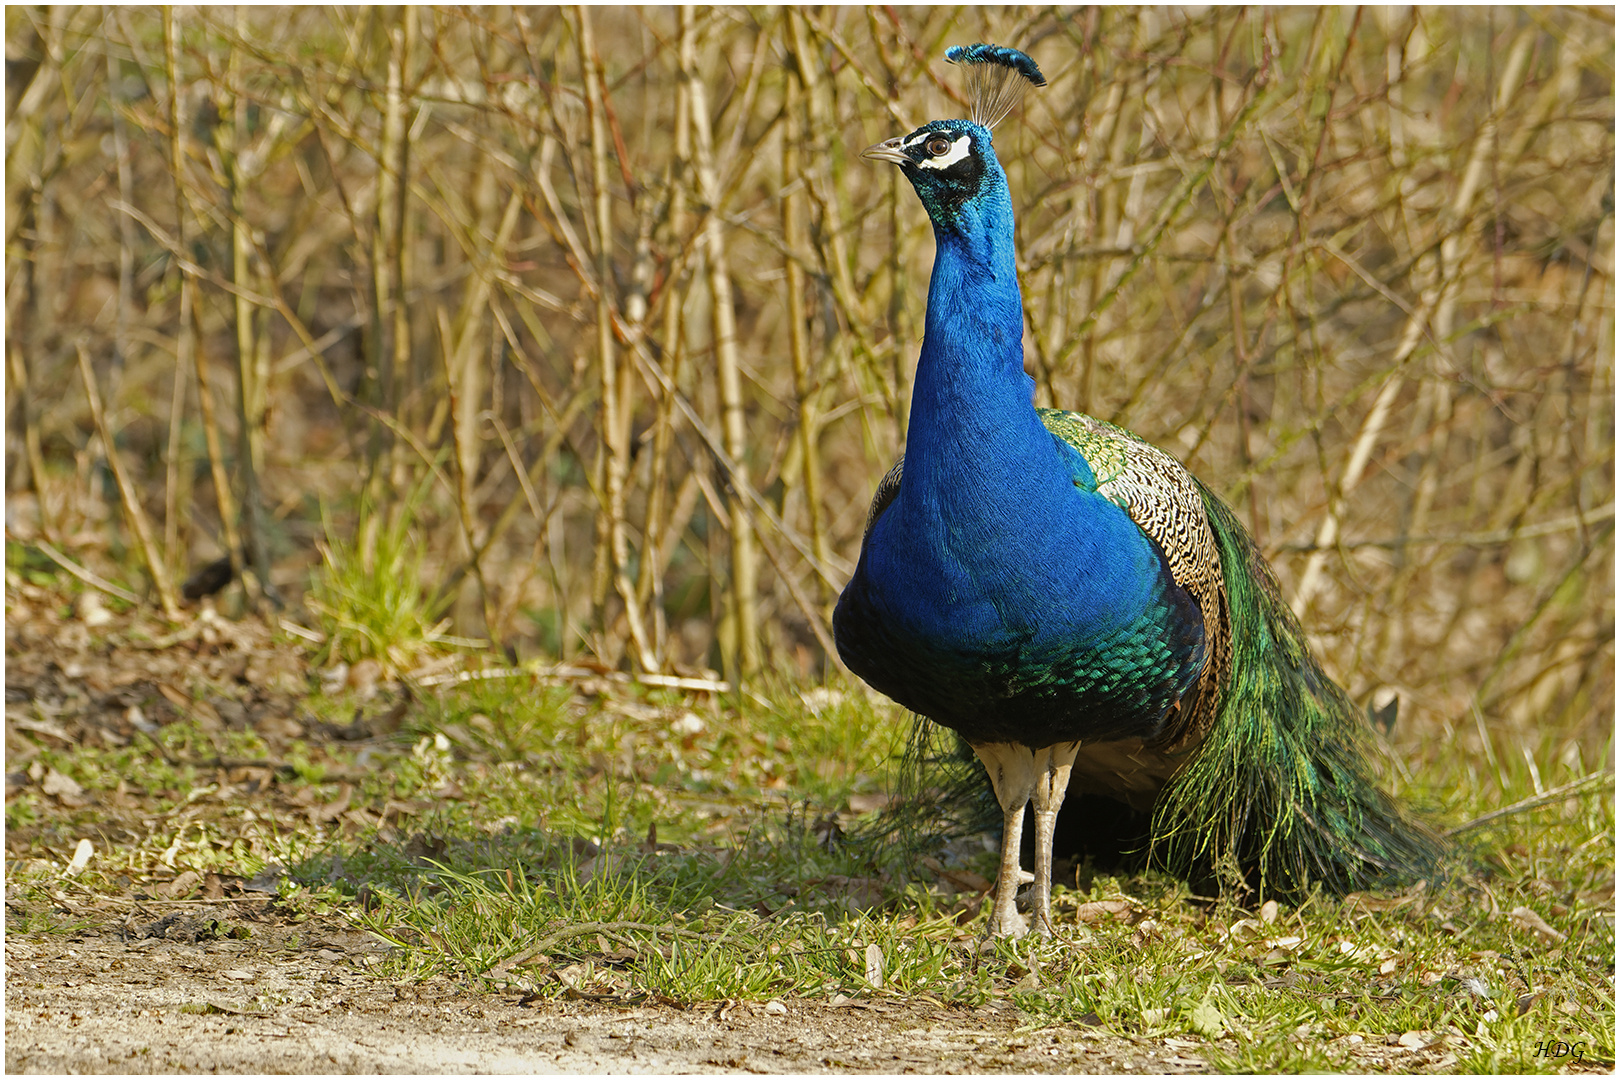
(238, 975)
(688, 723)
(775, 1008)
(90, 610)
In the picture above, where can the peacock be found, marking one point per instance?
(1078, 607)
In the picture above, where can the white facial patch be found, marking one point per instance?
(959, 150)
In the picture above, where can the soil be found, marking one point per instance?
(172, 996)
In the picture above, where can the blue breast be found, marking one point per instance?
(1001, 598)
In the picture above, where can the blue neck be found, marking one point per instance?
(974, 439)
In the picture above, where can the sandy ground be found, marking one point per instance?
(301, 1000)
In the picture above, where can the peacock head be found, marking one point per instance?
(952, 163)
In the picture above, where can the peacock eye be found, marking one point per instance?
(938, 145)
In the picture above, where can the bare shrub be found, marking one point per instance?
(615, 282)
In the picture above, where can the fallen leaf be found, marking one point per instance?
(1096, 910)
(207, 716)
(81, 858)
(48, 728)
(959, 879)
(1529, 920)
(1376, 903)
(279, 727)
(874, 966)
(60, 784)
(329, 812)
(182, 885)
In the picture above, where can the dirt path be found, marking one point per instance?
(302, 1001)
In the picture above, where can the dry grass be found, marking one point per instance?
(1354, 266)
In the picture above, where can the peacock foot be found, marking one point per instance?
(1014, 926)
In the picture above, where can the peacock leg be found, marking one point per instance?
(1052, 766)
(1012, 773)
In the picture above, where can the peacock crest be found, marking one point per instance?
(996, 79)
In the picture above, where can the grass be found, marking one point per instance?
(368, 594)
(635, 844)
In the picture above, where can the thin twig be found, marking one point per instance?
(86, 576)
(582, 929)
(126, 491)
(1563, 791)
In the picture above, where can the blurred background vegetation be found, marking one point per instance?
(585, 333)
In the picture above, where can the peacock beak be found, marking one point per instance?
(887, 150)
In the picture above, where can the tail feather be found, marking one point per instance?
(942, 793)
(1282, 788)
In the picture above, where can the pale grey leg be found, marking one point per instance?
(1052, 767)
(1005, 920)
(1012, 774)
